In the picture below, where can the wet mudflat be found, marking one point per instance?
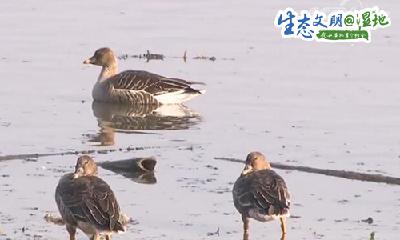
(331, 106)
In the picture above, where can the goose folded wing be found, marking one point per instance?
(95, 203)
(262, 192)
(270, 192)
(148, 82)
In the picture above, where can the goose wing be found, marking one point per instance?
(89, 200)
(149, 82)
(264, 191)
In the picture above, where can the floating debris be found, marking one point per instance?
(148, 56)
(205, 58)
(211, 167)
(213, 233)
(343, 201)
(369, 220)
(157, 56)
(153, 56)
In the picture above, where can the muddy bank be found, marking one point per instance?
(378, 178)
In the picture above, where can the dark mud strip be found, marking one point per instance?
(38, 155)
(335, 173)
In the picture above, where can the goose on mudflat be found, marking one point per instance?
(136, 86)
(87, 202)
(260, 193)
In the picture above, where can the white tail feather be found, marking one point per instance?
(176, 97)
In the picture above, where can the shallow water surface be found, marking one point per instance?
(333, 106)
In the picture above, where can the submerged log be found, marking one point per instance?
(139, 170)
(379, 178)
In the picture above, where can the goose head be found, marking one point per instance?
(255, 161)
(85, 166)
(102, 57)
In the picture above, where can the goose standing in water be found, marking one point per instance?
(136, 86)
(260, 193)
(87, 202)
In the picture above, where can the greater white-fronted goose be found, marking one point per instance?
(260, 193)
(136, 86)
(86, 202)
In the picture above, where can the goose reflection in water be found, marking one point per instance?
(138, 118)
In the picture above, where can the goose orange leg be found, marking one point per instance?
(245, 227)
(283, 227)
(95, 237)
(72, 231)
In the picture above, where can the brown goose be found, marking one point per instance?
(260, 193)
(87, 202)
(136, 86)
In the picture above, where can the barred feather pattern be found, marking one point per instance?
(90, 200)
(139, 87)
(262, 192)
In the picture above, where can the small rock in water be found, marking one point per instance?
(54, 219)
(369, 220)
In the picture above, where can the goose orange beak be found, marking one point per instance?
(89, 61)
(248, 168)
